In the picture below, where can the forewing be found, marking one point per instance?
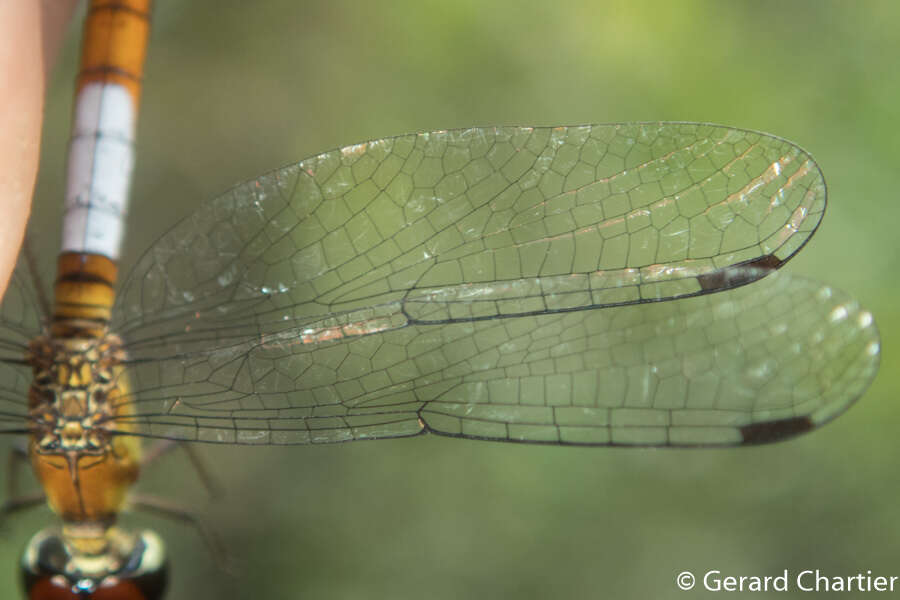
(476, 223)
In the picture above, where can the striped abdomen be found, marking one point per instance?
(101, 156)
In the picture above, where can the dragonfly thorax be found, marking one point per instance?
(78, 391)
(72, 391)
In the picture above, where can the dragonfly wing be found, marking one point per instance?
(479, 223)
(418, 241)
(755, 364)
(21, 319)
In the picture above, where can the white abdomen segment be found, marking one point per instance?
(101, 158)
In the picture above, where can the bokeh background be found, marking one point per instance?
(234, 89)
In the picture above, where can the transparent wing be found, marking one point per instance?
(367, 292)
(755, 364)
(21, 319)
(477, 223)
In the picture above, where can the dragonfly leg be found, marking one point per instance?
(213, 489)
(157, 450)
(221, 556)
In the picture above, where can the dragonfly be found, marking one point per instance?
(586, 285)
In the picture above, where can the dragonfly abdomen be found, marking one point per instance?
(84, 295)
(101, 150)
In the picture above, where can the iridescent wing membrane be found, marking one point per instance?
(448, 281)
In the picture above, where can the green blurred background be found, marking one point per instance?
(236, 88)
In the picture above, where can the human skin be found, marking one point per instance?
(31, 33)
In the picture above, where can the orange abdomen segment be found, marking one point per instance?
(115, 34)
(84, 294)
